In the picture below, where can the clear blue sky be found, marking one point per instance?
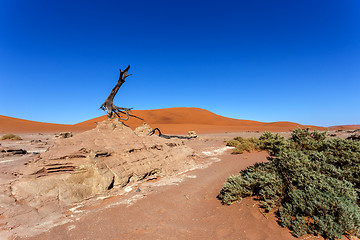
(261, 60)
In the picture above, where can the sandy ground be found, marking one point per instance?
(181, 207)
(186, 208)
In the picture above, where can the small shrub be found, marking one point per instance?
(242, 144)
(10, 136)
(312, 183)
(232, 143)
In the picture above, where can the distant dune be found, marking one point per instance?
(344, 127)
(169, 121)
(16, 125)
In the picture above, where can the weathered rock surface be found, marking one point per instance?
(11, 151)
(192, 134)
(91, 163)
(143, 130)
(65, 135)
(34, 141)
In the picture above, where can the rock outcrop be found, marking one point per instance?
(143, 130)
(65, 135)
(92, 162)
(4, 151)
(192, 134)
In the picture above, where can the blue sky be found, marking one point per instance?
(260, 60)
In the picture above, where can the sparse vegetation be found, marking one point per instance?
(10, 136)
(267, 141)
(312, 183)
(242, 144)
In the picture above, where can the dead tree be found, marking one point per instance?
(169, 136)
(109, 107)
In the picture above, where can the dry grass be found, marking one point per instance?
(11, 136)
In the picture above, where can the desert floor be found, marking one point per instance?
(184, 206)
(180, 207)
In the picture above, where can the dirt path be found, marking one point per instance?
(186, 209)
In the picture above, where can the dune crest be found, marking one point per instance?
(170, 120)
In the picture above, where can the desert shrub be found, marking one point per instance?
(232, 143)
(311, 182)
(10, 136)
(271, 143)
(242, 144)
(304, 139)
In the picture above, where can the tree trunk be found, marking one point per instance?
(109, 106)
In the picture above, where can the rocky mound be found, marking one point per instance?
(90, 163)
(100, 161)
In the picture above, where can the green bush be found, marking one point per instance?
(271, 143)
(303, 139)
(242, 144)
(311, 182)
(10, 136)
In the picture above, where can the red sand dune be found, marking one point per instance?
(169, 121)
(16, 125)
(344, 127)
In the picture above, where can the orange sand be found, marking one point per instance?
(345, 127)
(169, 121)
(16, 125)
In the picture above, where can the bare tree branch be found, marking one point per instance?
(109, 106)
(168, 136)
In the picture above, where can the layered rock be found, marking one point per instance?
(90, 163)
